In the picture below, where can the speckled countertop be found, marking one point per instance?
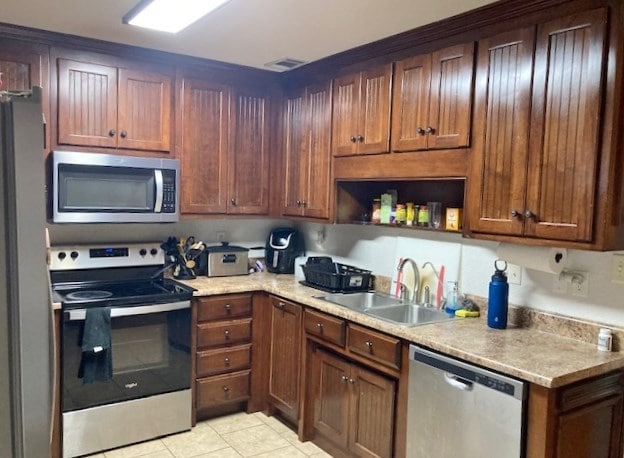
(539, 357)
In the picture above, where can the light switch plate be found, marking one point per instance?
(617, 268)
(514, 274)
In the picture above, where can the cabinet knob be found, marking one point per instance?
(360, 138)
(430, 130)
(420, 131)
(344, 379)
(226, 388)
(233, 200)
(529, 214)
(226, 361)
(369, 345)
(112, 132)
(228, 308)
(351, 380)
(319, 326)
(226, 333)
(353, 139)
(515, 213)
(298, 203)
(280, 305)
(303, 203)
(123, 134)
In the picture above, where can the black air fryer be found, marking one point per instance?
(283, 246)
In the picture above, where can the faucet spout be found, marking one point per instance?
(416, 286)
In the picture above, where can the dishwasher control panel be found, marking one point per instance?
(495, 384)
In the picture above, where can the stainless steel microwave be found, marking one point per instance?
(107, 188)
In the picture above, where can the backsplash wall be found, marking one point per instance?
(376, 248)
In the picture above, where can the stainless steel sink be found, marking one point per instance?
(409, 314)
(361, 301)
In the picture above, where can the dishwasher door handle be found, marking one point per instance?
(457, 382)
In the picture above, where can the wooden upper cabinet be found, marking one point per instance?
(24, 65)
(248, 175)
(535, 158)
(204, 147)
(105, 106)
(361, 112)
(565, 127)
(432, 100)
(307, 143)
(501, 140)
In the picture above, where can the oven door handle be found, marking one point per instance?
(115, 312)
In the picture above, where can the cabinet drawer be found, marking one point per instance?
(375, 346)
(326, 327)
(223, 307)
(222, 360)
(222, 389)
(224, 333)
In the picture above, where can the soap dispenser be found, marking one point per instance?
(498, 298)
(453, 302)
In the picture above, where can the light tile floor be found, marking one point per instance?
(232, 436)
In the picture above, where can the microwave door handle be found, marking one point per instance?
(116, 312)
(158, 176)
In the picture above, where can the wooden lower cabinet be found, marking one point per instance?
(285, 357)
(354, 406)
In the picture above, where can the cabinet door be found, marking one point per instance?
(295, 154)
(450, 99)
(248, 174)
(346, 107)
(374, 125)
(24, 65)
(87, 104)
(565, 125)
(410, 105)
(204, 147)
(501, 141)
(318, 144)
(331, 412)
(285, 356)
(144, 110)
(371, 413)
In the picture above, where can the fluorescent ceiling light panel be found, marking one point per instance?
(170, 15)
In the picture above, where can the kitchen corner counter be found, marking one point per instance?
(538, 357)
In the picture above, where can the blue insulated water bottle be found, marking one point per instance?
(498, 298)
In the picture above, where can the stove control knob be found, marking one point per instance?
(153, 251)
(62, 255)
(74, 254)
(142, 251)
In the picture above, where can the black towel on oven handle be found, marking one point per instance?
(97, 358)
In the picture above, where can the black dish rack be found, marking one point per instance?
(322, 273)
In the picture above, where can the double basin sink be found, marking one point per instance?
(388, 308)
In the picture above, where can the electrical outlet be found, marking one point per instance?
(580, 286)
(575, 283)
(220, 236)
(617, 268)
(514, 274)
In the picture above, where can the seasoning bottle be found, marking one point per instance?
(376, 211)
(409, 213)
(401, 214)
(498, 298)
(423, 216)
(605, 339)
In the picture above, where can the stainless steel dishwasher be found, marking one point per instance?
(457, 409)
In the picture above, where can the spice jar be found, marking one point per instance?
(423, 216)
(409, 213)
(401, 214)
(376, 211)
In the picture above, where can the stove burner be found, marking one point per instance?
(88, 295)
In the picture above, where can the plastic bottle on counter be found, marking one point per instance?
(605, 339)
(498, 298)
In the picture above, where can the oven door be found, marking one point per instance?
(151, 354)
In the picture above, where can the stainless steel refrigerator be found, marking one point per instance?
(26, 365)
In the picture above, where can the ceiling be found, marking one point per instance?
(245, 32)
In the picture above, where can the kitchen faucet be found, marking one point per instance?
(415, 287)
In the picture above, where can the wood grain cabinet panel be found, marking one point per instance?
(432, 97)
(222, 389)
(307, 143)
(286, 319)
(224, 333)
(374, 345)
(105, 106)
(534, 170)
(326, 327)
(212, 362)
(223, 307)
(361, 112)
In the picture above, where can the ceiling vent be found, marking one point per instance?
(287, 63)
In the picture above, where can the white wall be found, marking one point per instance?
(378, 248)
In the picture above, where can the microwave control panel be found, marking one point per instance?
(169, 191)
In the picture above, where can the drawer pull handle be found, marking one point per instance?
(369, 345)
(226, 389)
(227, 361)
(226, 333)
(228, 308)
